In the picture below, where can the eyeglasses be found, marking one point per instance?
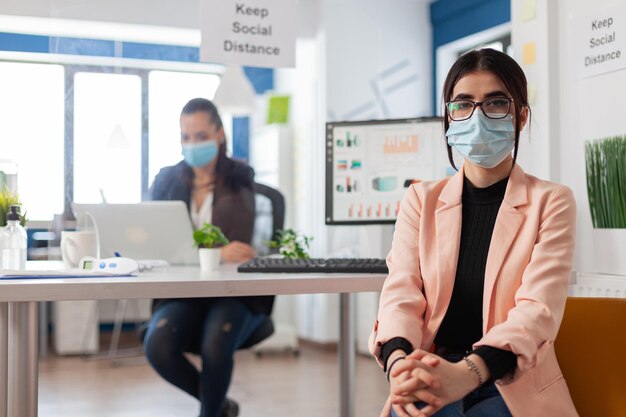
(493, 108)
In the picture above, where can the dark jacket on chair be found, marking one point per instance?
(233, 207)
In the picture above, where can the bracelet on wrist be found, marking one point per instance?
(474, 368)
(392, 364)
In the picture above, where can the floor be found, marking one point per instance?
(273, 385)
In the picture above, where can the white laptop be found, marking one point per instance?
(148, 230)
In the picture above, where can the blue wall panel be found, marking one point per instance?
(241, 138)
(77, 46)
(455, 19)
(262, 78)
(160, 52)
(24, 43)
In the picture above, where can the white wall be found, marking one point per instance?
(569, 110)
(364, 60)
(179, 13)
(538, 150)
(591, 108)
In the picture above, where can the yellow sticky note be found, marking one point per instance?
(529, 10)
(532, 93)
(529, 53)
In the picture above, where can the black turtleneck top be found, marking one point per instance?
(462, 324)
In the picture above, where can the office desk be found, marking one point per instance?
(18, 346)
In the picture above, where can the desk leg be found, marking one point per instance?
(4, 358)
(347, 344)
(23, 359)
(43, 329)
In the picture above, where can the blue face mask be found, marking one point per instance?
(200, 154)
(483, 141)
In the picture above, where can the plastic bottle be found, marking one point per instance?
(13, 241)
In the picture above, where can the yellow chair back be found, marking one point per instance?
(591, 350)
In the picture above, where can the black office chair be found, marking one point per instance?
(277, 209)
(276, 212)
(266, 328)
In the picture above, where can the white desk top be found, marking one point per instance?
(182, 282)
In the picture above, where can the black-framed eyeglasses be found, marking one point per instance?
(493, 108)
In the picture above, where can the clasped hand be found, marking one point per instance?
(428, 378)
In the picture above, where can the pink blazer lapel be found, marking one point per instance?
(508, 223)
(448, 217)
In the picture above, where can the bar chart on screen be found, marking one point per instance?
(371, 164)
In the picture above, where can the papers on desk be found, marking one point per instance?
(63, 273)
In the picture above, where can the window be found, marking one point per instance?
(32, 133)
(81, 132)
(168, 93)
(107, 138)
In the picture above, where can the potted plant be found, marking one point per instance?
(290, 244)
(209, 239)
(606, 182)
(606, 192)
(8, 199)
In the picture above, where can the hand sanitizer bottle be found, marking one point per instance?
(13, 242)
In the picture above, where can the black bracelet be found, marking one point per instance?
(392, 364)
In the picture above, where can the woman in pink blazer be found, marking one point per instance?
(479, 267)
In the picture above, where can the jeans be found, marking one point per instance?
(484, 401)
(217, 327)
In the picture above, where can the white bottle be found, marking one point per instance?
(13, 242)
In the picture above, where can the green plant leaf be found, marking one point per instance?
(209, 236)
(605, 161)
(8, 199)
(291, 244)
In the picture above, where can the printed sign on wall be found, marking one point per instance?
(599, 45)
(260, 33)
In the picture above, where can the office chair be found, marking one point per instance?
(262, 233)
(269, 218)
(274, 213)
(590, 348)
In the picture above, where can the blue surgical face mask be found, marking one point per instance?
(200, 154)
(482, 141)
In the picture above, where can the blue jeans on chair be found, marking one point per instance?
(214, 328)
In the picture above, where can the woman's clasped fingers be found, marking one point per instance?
(400, 410)
(414, 411)
(425, 357)
(406, 365)
(431, 408)
(386, 411)
(420, 379)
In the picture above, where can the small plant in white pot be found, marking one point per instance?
(209, 239)
(291, 244)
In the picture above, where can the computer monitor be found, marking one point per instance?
(370, 164)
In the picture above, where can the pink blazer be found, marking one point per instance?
(526, 279)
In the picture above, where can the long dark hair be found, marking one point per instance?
(227, 171)
(502, 66)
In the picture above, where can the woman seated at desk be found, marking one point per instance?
(217, 190)
(479, 267)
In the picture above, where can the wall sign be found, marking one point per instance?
(260, 33)
(599, 43)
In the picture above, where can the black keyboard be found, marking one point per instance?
(358, 265)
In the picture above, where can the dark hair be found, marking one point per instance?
(227, 172)
(502, 66)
